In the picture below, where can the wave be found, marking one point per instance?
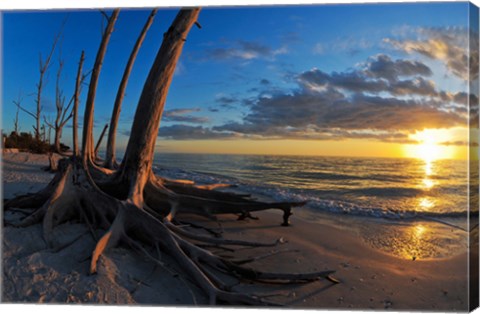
(318, 203)
(197, 176)
(388, 191)
(324, 176)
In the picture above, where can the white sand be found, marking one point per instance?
(370, 278)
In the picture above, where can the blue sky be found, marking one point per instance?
(238, 72)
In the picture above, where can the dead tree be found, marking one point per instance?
(15, 122)
(18, 104)
(76, 103)
(87, 143)
(110, 159)
(43, 67)
(64, 113)
(135, 207)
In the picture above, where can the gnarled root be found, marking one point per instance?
(208, 203)
(35, 200)
(72, 194)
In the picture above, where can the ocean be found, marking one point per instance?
(391, 194)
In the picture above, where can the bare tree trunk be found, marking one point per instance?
(43, 67)
(99, 142)
(110, 159)
(15, 122)
(61, 118)
(87, 142)
(58, 136)
(39, 106)
(137, 163)
(17, 103)
(43, 133)
(76, 101)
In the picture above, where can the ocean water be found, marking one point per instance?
(402, 197)
(376, 187)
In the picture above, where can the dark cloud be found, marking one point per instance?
(379, 74)
(362, 82)
(264, 82)
(382, 66)
(311, 132)
(353, 81)
(416, 86)
(225, 100)
(182, 115)
(329, 110)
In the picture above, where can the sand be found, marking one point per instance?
(370, 278)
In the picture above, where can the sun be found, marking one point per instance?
(430, 148)
(429, 152)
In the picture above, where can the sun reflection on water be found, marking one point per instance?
(428, 168)
(416, 245)
(412, 242)
(425, 203)
(428, 183)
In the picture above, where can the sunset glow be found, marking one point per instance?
(434, 144)
(352, 92)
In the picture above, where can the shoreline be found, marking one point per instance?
(370, 278)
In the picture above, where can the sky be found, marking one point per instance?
(384, 80)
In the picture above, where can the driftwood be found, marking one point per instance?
(138, 209)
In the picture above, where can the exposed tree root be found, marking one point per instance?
(207, 203)
(73, 194)
(133, 207)
(52, 163)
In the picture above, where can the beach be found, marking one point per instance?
(369, 277)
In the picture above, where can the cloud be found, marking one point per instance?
(449, 45)
(328, 110)
(179, 69)
(361, 81)
(223, 99)
(416, 86)
(458, 143)
(381, 99)
(265, 82)
(290, 38)
(188, 132)
(382, 66)
(380, 74)
(352, 81)
(181, 115)
(245, 50)
(350, 45)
